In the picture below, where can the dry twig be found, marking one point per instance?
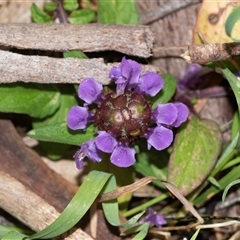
(130, 40)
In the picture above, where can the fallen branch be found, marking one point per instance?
(130, 40)
(38, 69)
(205, 53)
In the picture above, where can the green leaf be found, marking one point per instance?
(38, 15)
(231, 21)
(50, 6)
(228, 187)
(153, 163)
(8, 234)
(74, 54)
(79, 205)
(70, 5)
(169, 88)
(194, 155)
(61, 133)
(235, 125)
(235, 85)
(55, 150)
(223, 182)
(117, 12)
(82, 16)
(36, 100)
(143, 232)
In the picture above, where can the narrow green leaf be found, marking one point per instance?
(235, 85)
(50, 6)
(194, 155)
(38, 15)
(214, 182)
(70, 5)
(8, 234)
(74, 54)
(82, 16)
(111, 208)
(232, 20)
(12, 235)
(235, 125)
(79, 205)
(194, 236)
(169, 88)
(228, 187)
(223, 182)
(61, 133)
(117, 12)
(36, 100)
(143, 233)
(153, 163)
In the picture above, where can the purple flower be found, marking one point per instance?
(153, 218)
(124, 116)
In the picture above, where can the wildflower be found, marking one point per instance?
(153, 218)
(124, 116)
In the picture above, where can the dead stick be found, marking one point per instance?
(20, 68)
(29, 208)
(205, 53)
(130, 40)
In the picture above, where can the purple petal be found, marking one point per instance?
(159, 137)
(191, 77)
(165, 113)
(89, 150)
(90, 91)
(78, 118)
(105, 142)
(123, 156)
(134, 74)
(115, 73)
(150, 84)
(182, 116)
(126, 75)
(154, 218)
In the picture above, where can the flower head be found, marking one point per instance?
(124, 116)
(153, 218)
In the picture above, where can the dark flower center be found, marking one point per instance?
(126, 116)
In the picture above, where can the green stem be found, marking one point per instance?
(143, 206)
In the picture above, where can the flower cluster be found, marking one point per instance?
(124, 116)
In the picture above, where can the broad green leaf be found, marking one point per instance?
(228, 187)
(79, 205)
(74, 54)
(55, 150)
(36, 100)
(70, 5)
(50, 6)
(61, 133)
(223, 182)
(39, 16)
(82, 16)
(194, 155)
(169, 88)
(117, 12)
(232, 21)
